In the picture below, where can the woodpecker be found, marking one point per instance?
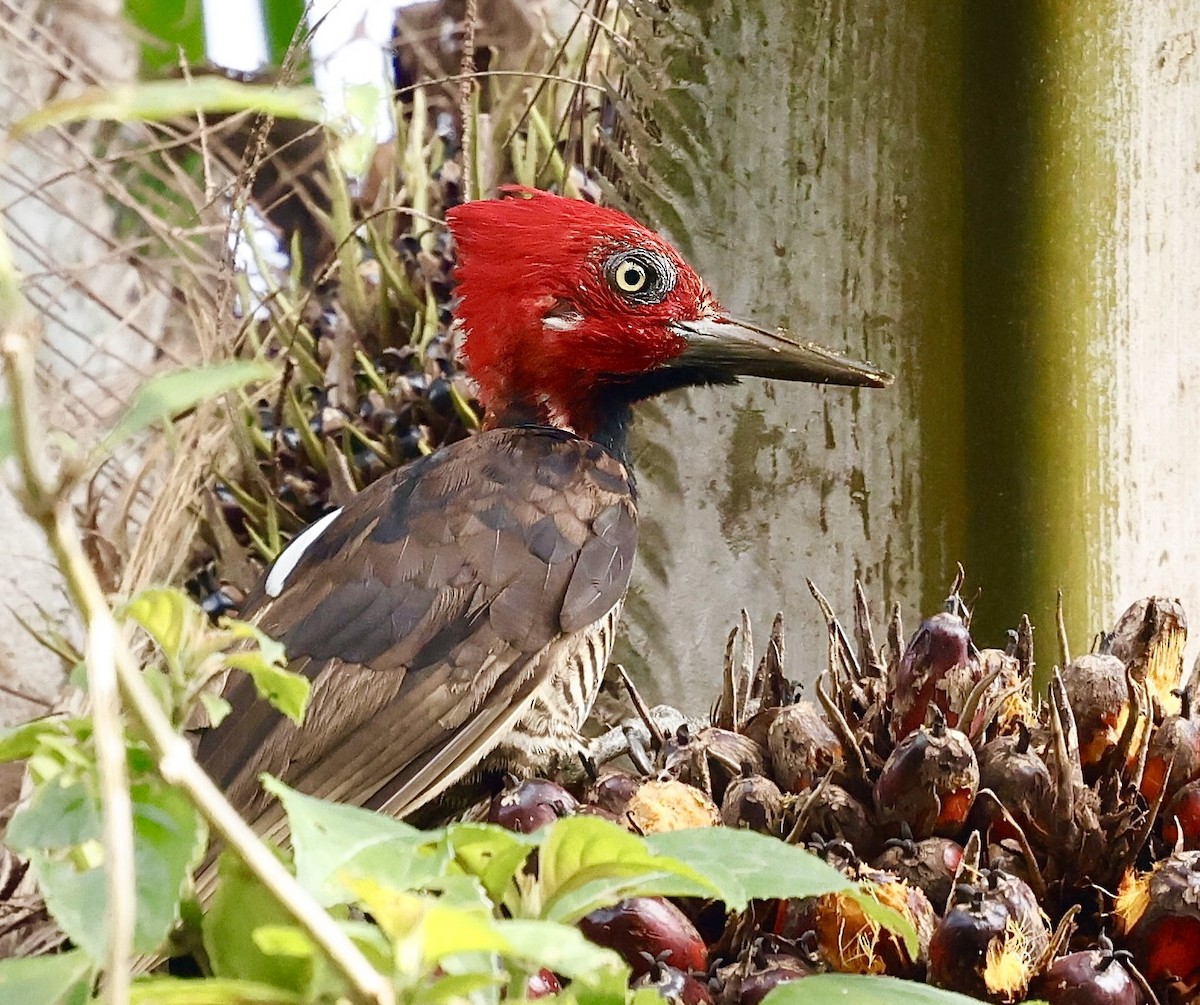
(458, 614)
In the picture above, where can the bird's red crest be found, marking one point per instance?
(558, 296)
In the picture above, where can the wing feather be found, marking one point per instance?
(427, 614)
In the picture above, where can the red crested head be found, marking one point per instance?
(571, 310)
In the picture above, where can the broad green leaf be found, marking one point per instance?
(168, 839)
(855, 989)
(171, 394)
(169, 616)
(490, 853)
(586, 863)
(561, 948)
(20, 741)
(241, 908)
(335, 845)
(61, 813)
(211, 991)
(746, 866)
(167, 99)
(286, 690)
(46, 980)
(215, 707)
(266, 663)
(6, 433)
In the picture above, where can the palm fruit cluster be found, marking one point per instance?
(1042, 850)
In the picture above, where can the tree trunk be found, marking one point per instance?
(809, 165)
(1082, 307)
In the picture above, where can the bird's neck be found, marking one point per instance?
(605, 421)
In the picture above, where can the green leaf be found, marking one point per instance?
(561, 948)
(241, 909)
(6, 433)
(215, 707)
(490, 853)
(168, 839)
(266, 664)
(337, 845)
(62, 812)
(586, 863)
(745, 866)
(211, 991)
(168, 99)
(286, 690)
(64, 979)
(169, 616)
(856, 989)
(171, 394)
(21, 741)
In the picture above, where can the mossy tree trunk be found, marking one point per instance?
(807, 159)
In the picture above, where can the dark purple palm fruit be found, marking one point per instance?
(930, 865)
(1024, 909)
(835, 815)
(1173, 759)
(1089, 977)
(531, 804)
(1181, 821)
(610, 793)
(1159, 911)
(1150, 638)
(1021, 781)
(643, 929)
(1099, 696)
(978, 950)
(929, 781)
(766, 963)
(940, 646)
(802, 747)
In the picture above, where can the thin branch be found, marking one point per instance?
(47, 503)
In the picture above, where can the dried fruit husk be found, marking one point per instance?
(803, 749)
(1099, 695)
(1160, 913)
(930, 865)
(674, 985)
(753, 802)
(929, 782)
(1021, 781)
(711, 758)
(750, 982)
(835, 815)
(1150, 638)
(668, 804)
(941, 646)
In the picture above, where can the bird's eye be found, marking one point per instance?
(641, 277)
(631, 277)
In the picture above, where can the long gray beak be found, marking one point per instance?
(747, 350)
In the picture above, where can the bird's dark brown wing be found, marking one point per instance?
(427, 613)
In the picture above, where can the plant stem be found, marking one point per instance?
(47, 503)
